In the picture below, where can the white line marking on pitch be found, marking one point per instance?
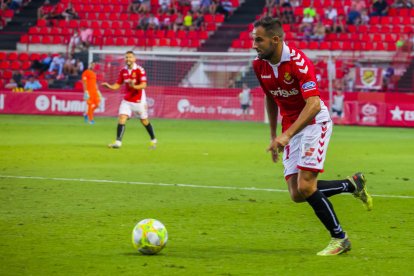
(169, 185)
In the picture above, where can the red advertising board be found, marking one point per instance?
(374, 109)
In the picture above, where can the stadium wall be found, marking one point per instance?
(372, 109)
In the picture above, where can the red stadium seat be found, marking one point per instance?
(46, 39)
(128, 32)
(174, 42)
(5, 64)
(116, 25)
(131, 41)
(192, 35)
(118, 32)
(126, 25)
(119, 41)
(12, 56)
(164, 42)
(7, 74)
(24, 39)
(108, 32)
(34, 56)
(26, 65)
(23, 56)
(42, 22)
(15, 65)
(181, 34)
(374, 20)
(105, 25)
(34, 39)
(208, 18)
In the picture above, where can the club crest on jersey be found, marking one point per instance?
(308, 86)
(288, 78)
(134, 75)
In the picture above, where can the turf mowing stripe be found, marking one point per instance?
(170, 185)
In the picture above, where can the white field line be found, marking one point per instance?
(168, 185)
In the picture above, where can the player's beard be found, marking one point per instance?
(268, 53)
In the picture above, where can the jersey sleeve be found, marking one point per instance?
(142, 76)
(305, 73)
(256, 69)
(120, 80)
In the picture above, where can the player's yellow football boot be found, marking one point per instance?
(153, 144)
(336, 247)
(115, 145)
(358, 180)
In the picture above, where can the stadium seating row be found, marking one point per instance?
(203, 35)
(116, 41)
(327, 45)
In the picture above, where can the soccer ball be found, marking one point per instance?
(149, 236)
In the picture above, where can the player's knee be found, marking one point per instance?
(306, 190)
(297, 198)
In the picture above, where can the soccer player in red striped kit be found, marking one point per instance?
(288, 80)
(134, 102)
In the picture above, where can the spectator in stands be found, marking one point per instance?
(364, 19)
(44, 10)
(18, 78)
(403, 4)
(213, 7)
(358, 5)
(11, 85)
(198, 20)
(379, 8)
(78, 68)
(205, 6)
(164, 6)
(319, 31)
(354, 17)
(69, 66)
(307, 23)
(145, 7)
(69, 13)
(15, 4)
(42, 65)
(225, 7)
(75, 42)
(195, 5)
(143, 22)
(287, 14)
(338, 25)
(179, 21)
(32, 84)
(153, 22)
(134, 5)
(86, 37)
(331, 13)
(57, 63)
(338, 104)
(311, 11)
(188, 20)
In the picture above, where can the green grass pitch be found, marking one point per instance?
(68, 204)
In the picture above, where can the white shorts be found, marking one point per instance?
(307, 149)
(129, 108)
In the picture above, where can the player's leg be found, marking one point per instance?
(124, 113)
(92, 105)
(307, 187)
(312, 153)
(142, 111)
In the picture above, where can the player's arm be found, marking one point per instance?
(114, 86)
(85, 88)
(311, 109)
(272, 113)
(141, 85)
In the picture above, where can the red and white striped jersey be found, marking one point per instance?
(138, 75)
(290, 82)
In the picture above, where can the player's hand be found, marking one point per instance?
(277, 145)
(273, 151)
(86, 95)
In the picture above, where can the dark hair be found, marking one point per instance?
(272, 26)
(129, 52)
